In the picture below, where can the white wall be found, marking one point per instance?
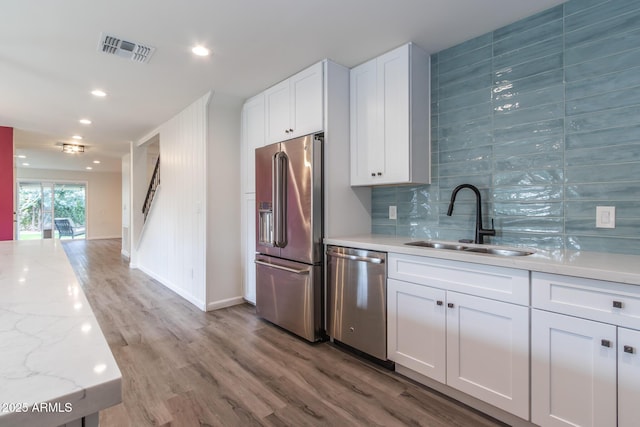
(171, 246)
(104, 197)
(224, 269)
(191, 239)
(126, 205)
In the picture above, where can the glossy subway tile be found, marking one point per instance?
(524, 25)
(599, 48)
(532, 36)
(543, 116)
(602, 29)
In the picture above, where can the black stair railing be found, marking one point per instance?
(153, 185)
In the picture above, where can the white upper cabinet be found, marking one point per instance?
(253, 136)
(390, 119)
(295, 106)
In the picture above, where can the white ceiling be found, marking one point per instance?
(49, 61)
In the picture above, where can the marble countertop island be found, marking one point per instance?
(589, 265)
(56, 366)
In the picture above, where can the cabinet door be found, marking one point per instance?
(416, 328)
(249, 247)
(364, 116)
(488, 351)
(277, 99)
(390, 155)
(573, 371)
(253, 136)
(628, 377)
(306, 101)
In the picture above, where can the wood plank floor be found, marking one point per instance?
(183, 367)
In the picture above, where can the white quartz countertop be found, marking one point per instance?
(55, 364)
(591, 265)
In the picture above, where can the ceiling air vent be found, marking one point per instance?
(114, 45)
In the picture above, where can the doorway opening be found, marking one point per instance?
(41, 203)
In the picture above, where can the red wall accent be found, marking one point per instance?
(6, 183)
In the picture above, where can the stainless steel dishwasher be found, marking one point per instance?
(357, 299)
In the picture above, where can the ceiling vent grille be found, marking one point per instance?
(114, 45)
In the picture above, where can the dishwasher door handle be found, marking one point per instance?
(356, 257)
(282, 267)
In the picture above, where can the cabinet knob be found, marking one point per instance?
(605, 343)
(617, 304)
(373, 174)
(450, 305)
(290, 130)
(379, 173)
(352, 329)
(286, 131)
(439, 302)
(629, 349)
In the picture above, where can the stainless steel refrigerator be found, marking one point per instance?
(289, 271)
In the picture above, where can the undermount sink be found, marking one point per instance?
(437, 245)
(498, 251)
(474, 249)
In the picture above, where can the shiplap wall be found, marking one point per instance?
(172, 245)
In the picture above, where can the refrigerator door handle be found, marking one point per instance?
(280, 199)
(282, 267)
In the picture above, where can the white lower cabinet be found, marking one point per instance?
(476, 345)
(567, 354)
(573, 375)
(416, 327)
(585, 365)
(488, 351)
(628, 377)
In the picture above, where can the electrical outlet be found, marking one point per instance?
(605, 217)
(393, 212)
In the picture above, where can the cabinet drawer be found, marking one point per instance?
(608, 302)
(499, 283)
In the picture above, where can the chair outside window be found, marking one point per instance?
(66, 227)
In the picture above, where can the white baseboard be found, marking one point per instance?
(200, 304)
(125, 254)
(216, 305)
(104, 237)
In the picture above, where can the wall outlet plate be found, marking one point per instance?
(393, 212)
(605, 217)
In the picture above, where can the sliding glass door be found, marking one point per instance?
(40, 203)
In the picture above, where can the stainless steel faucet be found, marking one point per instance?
(480, 232)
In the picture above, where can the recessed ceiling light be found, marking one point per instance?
(200, 51)
(98, 93)
(88, 168)
(25, 164)
(76, 137)
(97, 162)
(85, 121)
(20, 156)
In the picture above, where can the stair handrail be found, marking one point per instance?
(153, 184)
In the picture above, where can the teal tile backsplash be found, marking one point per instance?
(543, 116)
